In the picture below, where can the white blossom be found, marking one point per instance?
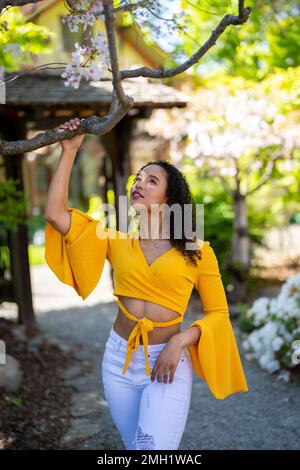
(83, 14)
(277, 343)
(89, 62)
(260, 310)
(13, 49)
(273, 321)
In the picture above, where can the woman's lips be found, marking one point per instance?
(136, 195)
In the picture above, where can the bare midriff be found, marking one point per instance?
(143, 308)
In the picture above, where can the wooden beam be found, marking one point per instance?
(18, 240)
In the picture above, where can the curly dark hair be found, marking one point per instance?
(178, 192)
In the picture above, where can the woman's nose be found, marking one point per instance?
(139, 185)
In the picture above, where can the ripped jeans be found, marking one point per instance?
(148, 415)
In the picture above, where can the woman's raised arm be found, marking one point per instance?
(56, 212)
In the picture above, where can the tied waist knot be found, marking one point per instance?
(141, 329)
(143, 325)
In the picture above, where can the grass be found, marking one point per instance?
(36, 255)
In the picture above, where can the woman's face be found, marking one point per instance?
(149, 187)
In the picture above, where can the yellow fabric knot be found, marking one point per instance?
(143, 325)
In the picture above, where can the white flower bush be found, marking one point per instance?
(274, 328)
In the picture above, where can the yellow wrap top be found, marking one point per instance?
(77, 259)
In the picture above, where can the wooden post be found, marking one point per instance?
(18, 240)
(117, 144)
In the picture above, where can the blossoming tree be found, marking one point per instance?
(90, 62)
(243, 137)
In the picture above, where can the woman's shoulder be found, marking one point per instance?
(80, 213)
(202, 244)
(83, 218)
(207, 253)
(87, 227)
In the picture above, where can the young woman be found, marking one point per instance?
(148, 362)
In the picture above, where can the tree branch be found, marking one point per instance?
(132, 6)
(267, 174)
(16, 3)
(125, 100)
(126, 7)
(216, 172)
(120, 103)
(226, 21)
(93, 125)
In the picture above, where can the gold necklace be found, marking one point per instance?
(156, 244)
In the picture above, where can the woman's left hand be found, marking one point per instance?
(167, 361)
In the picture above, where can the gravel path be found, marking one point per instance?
(267, 417)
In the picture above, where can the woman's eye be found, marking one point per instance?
(152, 180)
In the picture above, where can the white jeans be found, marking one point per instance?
(148, 415)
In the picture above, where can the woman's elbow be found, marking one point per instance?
(61, 222)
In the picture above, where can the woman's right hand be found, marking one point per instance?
(75, 142)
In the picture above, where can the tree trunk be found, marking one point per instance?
(239, 263)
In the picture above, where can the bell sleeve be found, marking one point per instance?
(77, 258)
(215, 356)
